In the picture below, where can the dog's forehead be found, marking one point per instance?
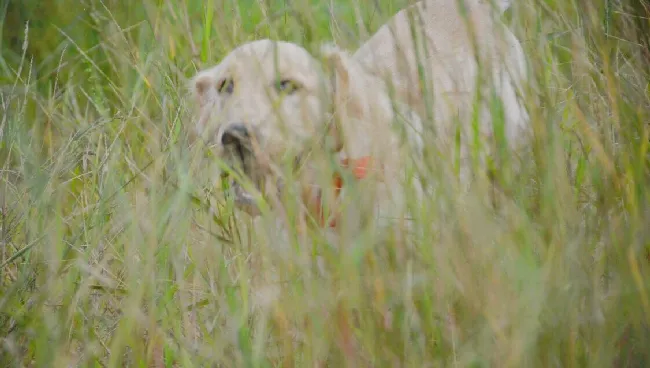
(264, 57)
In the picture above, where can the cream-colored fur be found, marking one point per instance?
(449, 47)
(342, 104)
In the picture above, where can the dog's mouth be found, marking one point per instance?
(253, 176)
(240, 161)
(242, 198)
(253, 179)
(246, 197)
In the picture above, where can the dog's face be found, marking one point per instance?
(261, 107)
(268, 102)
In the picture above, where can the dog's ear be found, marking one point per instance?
(203, 86)
(203, 89)
(358, 97)
(347, 82)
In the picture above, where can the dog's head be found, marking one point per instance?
(268, 103)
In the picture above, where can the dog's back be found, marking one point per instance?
(446, 42)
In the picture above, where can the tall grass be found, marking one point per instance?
(114, 253)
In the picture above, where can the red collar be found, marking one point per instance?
(359, 169)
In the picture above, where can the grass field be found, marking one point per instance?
(110, 245)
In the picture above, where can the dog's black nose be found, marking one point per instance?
(234, 134)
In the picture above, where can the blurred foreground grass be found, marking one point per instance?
(102, 250)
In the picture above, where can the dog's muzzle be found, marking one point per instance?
(237, 141)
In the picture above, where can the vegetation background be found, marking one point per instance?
(111, 254)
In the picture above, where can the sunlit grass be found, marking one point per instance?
(113, 243)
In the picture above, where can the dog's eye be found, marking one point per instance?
(287, 86)
(226, 85)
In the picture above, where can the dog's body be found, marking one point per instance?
(449, 47)
(267, 103)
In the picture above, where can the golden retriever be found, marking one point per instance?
(270, 107)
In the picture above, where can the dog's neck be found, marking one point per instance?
(368, 153)
(321, 201)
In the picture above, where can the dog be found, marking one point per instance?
(282, 117)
